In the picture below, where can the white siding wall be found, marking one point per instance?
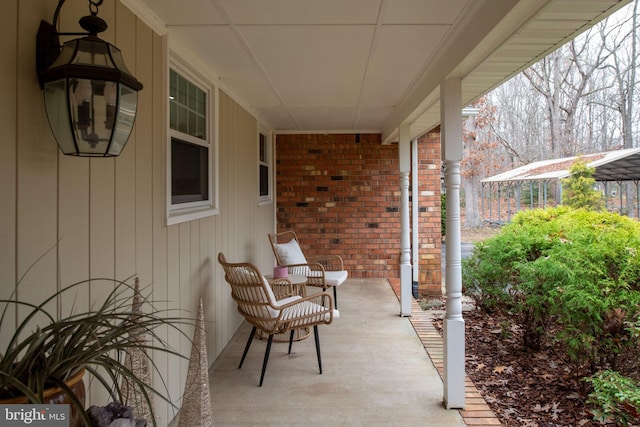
(106, 217)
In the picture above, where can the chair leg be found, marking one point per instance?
(315, 334)
(291, 340)
(335, 296)
(246, 347)
(266, 358)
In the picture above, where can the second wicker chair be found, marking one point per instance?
(257, 303)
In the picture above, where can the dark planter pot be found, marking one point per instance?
(55, 396)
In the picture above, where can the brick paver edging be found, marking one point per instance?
(476, 412)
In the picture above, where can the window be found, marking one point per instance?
(264, 168)
(189, 172)
(191, 151)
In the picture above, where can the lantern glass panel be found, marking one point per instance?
(126, 116)
(92, 53)
(55, 102)
(118, 60)
(88, 115)
(66, 54)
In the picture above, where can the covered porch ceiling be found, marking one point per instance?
(363, 65)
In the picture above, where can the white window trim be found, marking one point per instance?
(268, 199)
(186, 212)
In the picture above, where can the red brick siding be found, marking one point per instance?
(342, 196)
(429, 172)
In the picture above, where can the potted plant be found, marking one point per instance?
(48, 351)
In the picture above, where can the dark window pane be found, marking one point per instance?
(264, 180)
(189, 172)
(263, 148)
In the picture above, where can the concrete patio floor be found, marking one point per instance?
(376, 372)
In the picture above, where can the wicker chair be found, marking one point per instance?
(257, 303)
(324, 271)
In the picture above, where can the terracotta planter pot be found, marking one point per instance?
(55, 396)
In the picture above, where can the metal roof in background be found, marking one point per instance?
(619, 165)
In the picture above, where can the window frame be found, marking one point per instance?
(268, 163)
(183, 212)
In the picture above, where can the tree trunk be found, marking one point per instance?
(472, 203)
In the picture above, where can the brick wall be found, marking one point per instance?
(341, 194)
(429, 173)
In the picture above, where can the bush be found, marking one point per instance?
(575, 270)
(510, 273)
(578, 189)
(615, 398)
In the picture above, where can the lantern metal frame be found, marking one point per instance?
(96, 68)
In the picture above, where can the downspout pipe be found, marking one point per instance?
(415, 208)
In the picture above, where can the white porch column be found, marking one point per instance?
(404, 152)
(451, 148)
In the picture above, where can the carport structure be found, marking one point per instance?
(539, 184)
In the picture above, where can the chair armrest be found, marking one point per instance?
(329, 262)
(314, 272)
(307, 311)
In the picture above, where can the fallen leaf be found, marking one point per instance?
(503, 369)
(540, 408)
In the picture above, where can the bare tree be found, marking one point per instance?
(520, 123)
(483, 156)
(563, 78)
(620, 39)
(578, 100)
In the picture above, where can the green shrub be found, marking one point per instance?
(615, 398)
(577, 189)
(576, 270)
(509, 273)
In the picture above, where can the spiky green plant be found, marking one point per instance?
(44, 354)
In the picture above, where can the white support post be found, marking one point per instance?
(451, 147)
(404, 153)
(415, 227)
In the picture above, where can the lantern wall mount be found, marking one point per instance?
(90, 96)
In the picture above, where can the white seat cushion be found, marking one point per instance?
(332, 278)
(279, 303)
(287, 300)
(335, 278)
